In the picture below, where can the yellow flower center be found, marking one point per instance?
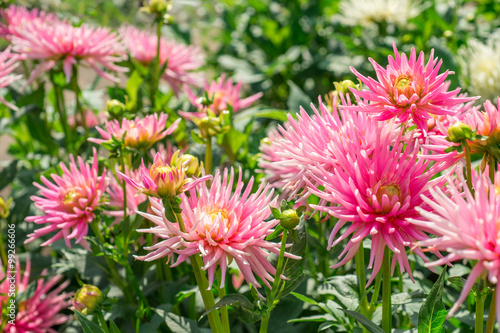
(70, 197)
(403, 84)
(390, 191)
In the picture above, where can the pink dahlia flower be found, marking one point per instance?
(224, 94)
(8, 62)
(62, 42)
(408, 89)
(38, 312)
(375, 192)
(467, 226)
(69, 205)
(163, 180)
(182, 60)
(15, 18)
(140, 133)
(91, 119)
(220, 226)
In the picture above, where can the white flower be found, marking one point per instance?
(368, 12)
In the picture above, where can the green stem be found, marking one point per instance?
(2, 249)
(491, 167)
(468, 166)
(386, 292)
(135, 284)
(224, 312)
(79, 108)
(208, 156)
(61, 109)
(102, 321)
(201, 280)
(479, 307)
(276, 284)
(360, 272)
(376, 292)
(124, 190)
(490, 324)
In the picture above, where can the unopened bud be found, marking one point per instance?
(4, 208)
(115, 107)
(459, 132)
(289, 219)
(209, 126)
(190, 164)
(87, 299)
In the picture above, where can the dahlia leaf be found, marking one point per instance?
(344, 288)
(245, 309)
(178, 324)
(87, 325)
(432, 313)
(367, 323)
(405, 298)
(132, 88)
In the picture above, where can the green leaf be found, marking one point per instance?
(235, 300)
(304, 299)
(197, 138)
(113, 328)
(132, 89)
(344, 288)
(297, 98)
(367, 323)
(432, 313)
(276, 213)
(279, 229)
(87, 325)
(178, 324)
(405, 298)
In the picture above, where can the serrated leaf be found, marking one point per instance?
(344, 288)
(432, 313)
(87, 325)
(367, 323)
(236, 300)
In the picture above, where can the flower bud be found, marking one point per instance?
(190, 164)
(4, 208)
(289, 219)
(344, 86)
(459, 132)
(157, 6)
(209, 126)
(87, 299)
(115, 107)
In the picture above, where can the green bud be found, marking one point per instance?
(4, 208)
(209, 126)
(459, 132)
(190, 164)
(115, 107)
(289, 219)
(87, 299)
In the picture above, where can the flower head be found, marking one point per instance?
(40, 311)
(140, 133)
(223, 95)
(164, 180)
(408, 89)
(69, 205)
(15, 18)
(87, 299)
(375, 192)
(63, 42)
(182, 60)
(8, 62)
(468, 228)
(91, 119)
(220, 226)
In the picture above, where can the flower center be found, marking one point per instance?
(390, 192)
(70, 197)
(212, 224)
(403, 84)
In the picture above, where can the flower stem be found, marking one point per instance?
(223, 311)
(468, 166)
(208, 155)
(155, 75)
(376, 292)
(61, 109)
(386, 292)
(490, 324)
(491, 167)
(479, 307)
(360, 272)
(276, 283)
(79, 108)
(201, 280)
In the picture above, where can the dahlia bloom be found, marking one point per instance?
(467, 226)
(181, 59)
(408, 89)
(140, 133)
(224, 94)
(39, 312)
(480, 67)
(91, 119)
(8, 62)
(163, 180)
(62, 42)
(220, 226)
(15, 18)
(375, 192)
(69, 205)
(115, 192)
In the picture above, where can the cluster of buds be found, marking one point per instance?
(159, 8)
(343, 87)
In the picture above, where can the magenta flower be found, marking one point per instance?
(71, 45)
(15, 18)
(408, 89)
(69, 205)
(375, 191)
(8, 62)
(224, 95)
(467, 226)
(38, 312)
(140, 133)
(182, 60)
(220, 226)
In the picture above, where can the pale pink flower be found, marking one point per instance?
(15, 18)
(374, 192)
(38, 312)
(467, 226)
(91, 119)
(408, 89)
(61, 42)
(220, 226)
(224, 95)
(182, 60)
(8, 62)
(69, 205)
(140, 133)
